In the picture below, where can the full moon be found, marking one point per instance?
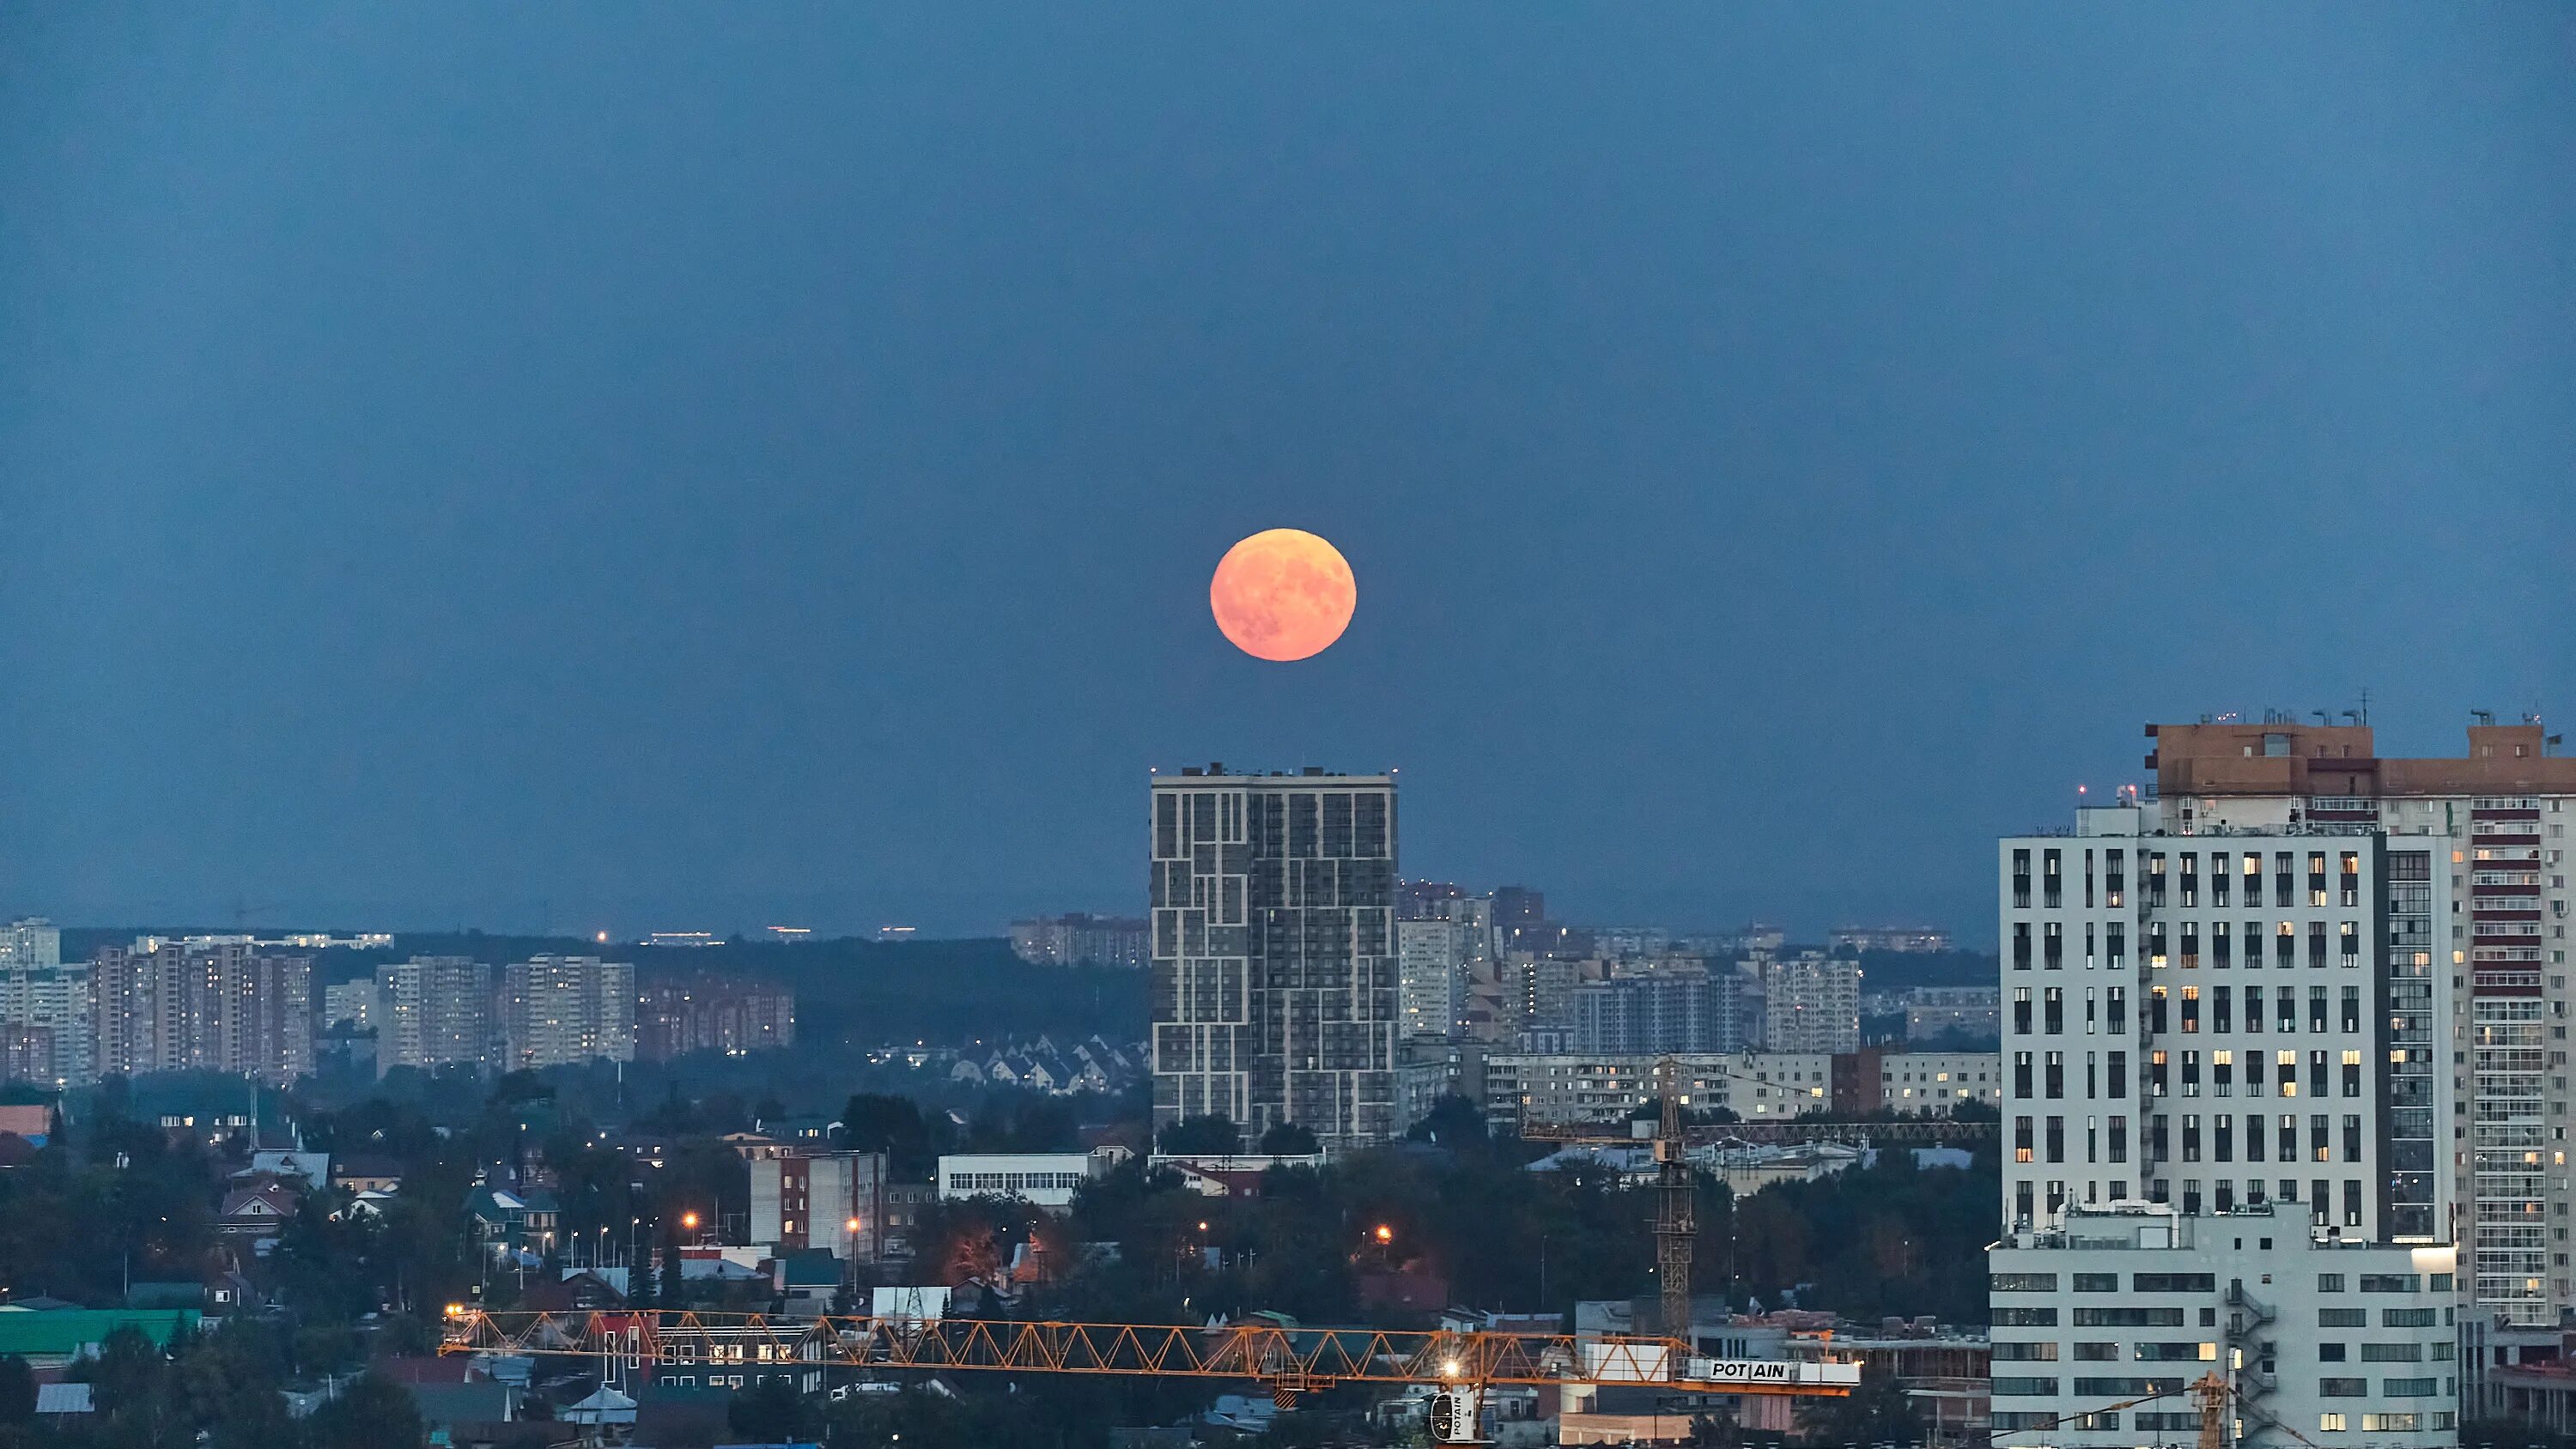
(1283, 594)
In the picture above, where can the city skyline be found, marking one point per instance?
(1895, 775)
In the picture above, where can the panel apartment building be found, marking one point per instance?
(215, 1005)
(47, 1032)
(564, 1010)
(434, 1011)
(1274, 970)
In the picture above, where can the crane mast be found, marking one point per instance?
(1676, 1205)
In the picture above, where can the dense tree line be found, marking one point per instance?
(1889, 1238)
(218, 1391)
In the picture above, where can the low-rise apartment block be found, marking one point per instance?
(2330, 1340)
(713, 1014)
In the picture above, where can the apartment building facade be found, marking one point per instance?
(1971, 1012)
(564, 1010)
(713, 1014)
(1527, 1089)
(1677, 1005)
(213, 1005)
(48, 1033)
(1080, 940)
(2199, 1020)
(1811, 1003)
(435, 1011)
(1274, 986)
(2104, 1320)
(1431, 976)
(2477, 902)
(822, 1199)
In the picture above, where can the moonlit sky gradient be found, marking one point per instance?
(690, 467)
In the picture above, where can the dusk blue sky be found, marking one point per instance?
(700, 466)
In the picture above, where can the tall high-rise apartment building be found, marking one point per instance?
(2472, 961)
(211, 1005)
(1431, 964)
(435, 1011)
(2298, 978)
(47, 1031)
(563, 1010)
(1274, 990)
(31, 942)
(1811, 1003)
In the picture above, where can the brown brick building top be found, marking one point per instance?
(2340, 760)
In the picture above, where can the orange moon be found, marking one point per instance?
(1283, 594)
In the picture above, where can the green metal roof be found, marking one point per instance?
(63, 1332)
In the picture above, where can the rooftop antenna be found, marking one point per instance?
(2483, 716)
(2365, 704)
(2322, 716)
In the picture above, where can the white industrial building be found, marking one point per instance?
(1048, 1179)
